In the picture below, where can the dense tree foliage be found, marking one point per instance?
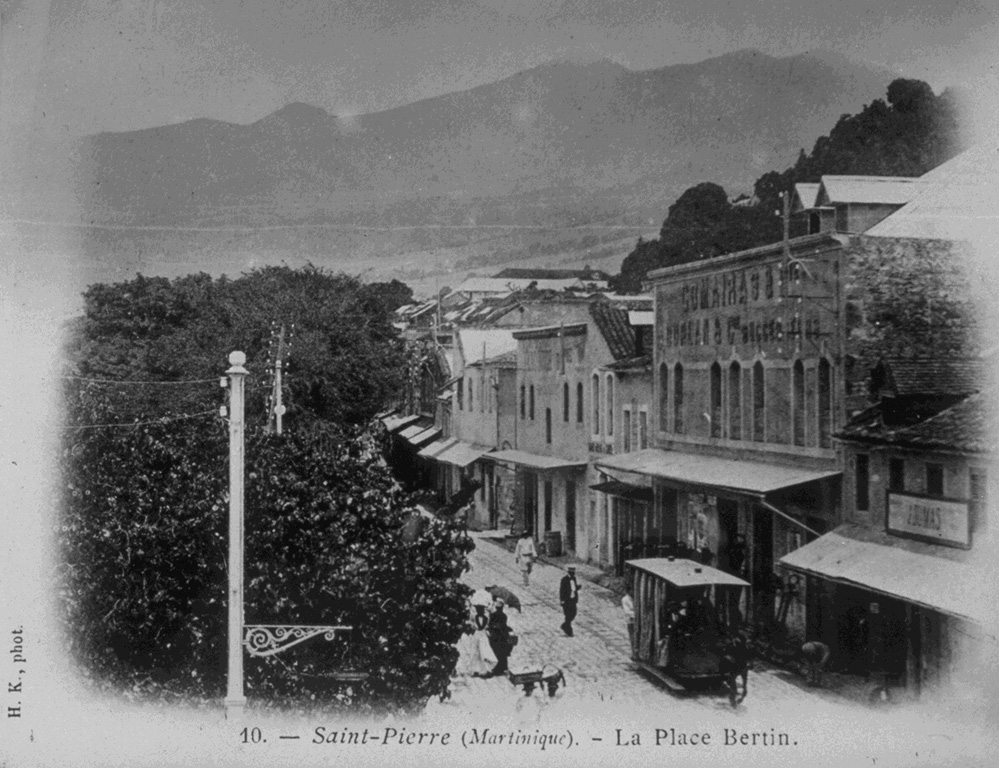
(700, 224)
(911, 133)
(331, 539)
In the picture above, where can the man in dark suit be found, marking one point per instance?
(568, 595)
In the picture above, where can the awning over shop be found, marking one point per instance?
(625, 490)
(423, 435)
(461, 454)
(431, 451)
(395, 423)
(937, 583)
(748, 478)
(533, 461)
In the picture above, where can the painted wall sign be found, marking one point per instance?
(943, 521)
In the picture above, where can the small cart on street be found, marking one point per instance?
(689, 624)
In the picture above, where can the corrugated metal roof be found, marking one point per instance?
(889, 567)
(482, 343)
(461, 454)
(392, 423)
(421, 436)
(437, 447)
(889, 190)
(745, 477)
(956, 201)
(532, 460)
(625, 490)
(808, 194)
(641, 318)
(685, 573)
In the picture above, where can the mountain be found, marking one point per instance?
(554, 134)
(556, 146)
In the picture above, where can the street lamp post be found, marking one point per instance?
(235, 699)
(260, 640)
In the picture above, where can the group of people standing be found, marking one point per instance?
(487, 642)
(489, 639)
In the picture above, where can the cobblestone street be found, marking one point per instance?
(599, 673)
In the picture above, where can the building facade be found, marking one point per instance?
(892, 590)
(748, 362)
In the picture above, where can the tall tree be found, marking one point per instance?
(907, 135)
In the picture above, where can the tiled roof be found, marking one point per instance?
(889, 190)
(969, 426)
(612, 322)
(933, 376)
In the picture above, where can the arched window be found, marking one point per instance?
(678, 399)
(759, 403)
(565, 401)
(531, 403)
(548, 425)
(471, 405)
(610, 404)
(716, 401)
(579, 402)
(663, 397)
(523, 401)
(735, 402)
(595, 394)
(798, 401)
(461, 394)
(825, 404)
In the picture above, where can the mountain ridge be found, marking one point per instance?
(551, 148)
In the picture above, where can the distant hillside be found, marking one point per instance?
(556, 147)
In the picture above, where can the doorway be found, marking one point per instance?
(570, 515)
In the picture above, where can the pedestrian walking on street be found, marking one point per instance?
(568, 595)
(814, 655)
(498, 632)
(628, 606)
(525, 554)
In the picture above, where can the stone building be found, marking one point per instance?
(892, 590)
(748, 364)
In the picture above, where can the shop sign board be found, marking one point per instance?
(929, 518)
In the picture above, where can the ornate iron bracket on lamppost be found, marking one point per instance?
(259, 640)
(271, 639)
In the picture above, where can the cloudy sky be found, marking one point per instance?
(89, 65)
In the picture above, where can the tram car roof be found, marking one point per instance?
(685, 573)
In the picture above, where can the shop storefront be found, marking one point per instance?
(539, 493)
(888, 612)
(739, 516)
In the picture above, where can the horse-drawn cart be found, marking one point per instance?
(688, 623)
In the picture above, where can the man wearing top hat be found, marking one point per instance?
(568, 595)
